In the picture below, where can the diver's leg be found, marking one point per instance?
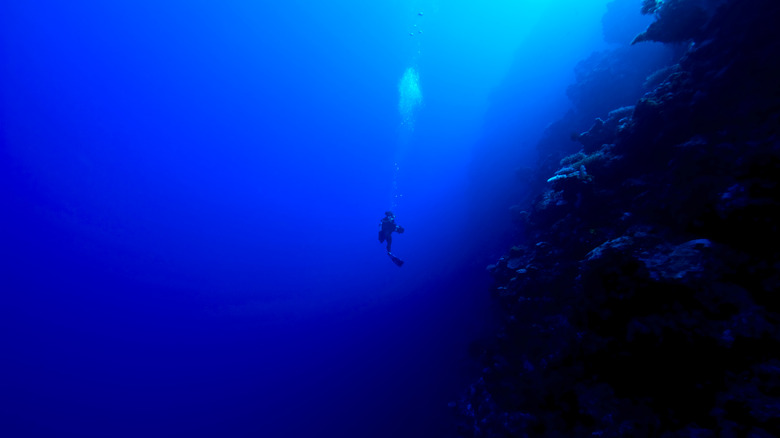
(389, 239)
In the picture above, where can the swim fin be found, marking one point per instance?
(396, 260)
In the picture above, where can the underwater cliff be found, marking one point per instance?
(191, 194)
(639, 296)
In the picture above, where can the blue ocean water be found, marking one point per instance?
(191, 196)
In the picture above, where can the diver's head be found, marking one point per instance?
(389, 213)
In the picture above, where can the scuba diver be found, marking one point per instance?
(386, 228)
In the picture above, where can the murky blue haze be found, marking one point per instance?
(191, 193)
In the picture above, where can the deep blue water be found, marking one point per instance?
(191, 193)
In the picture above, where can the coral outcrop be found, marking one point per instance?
(642, 300)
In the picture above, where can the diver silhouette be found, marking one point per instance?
(386, 228)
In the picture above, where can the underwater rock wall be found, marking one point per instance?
(642, 299)
(605, 81)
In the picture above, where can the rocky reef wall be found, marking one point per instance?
(641, 299)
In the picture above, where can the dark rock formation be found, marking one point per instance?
(605, 81)
(677, 20)
(642, 299)
(623, 21)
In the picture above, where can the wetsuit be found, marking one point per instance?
(386, 233)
